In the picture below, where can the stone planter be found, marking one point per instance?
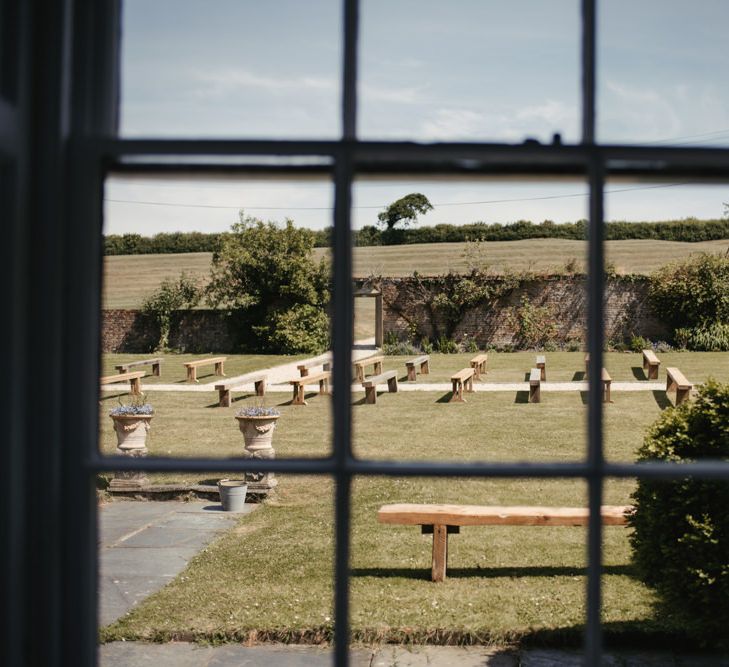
(131, 440)
(258, 434)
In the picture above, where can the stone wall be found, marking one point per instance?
(191, 331)
(627, 310)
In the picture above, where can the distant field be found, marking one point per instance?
(129, 278)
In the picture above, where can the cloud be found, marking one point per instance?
(397, 95)
(223, 81)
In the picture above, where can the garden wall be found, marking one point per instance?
(408, 307)
(192, 331)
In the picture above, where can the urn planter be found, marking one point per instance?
(257, 433)
(131, 440)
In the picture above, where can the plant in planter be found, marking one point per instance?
(257, 425)
(131, 425)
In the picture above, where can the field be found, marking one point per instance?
(129, 278)
(270, 577)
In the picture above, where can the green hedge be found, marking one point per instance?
(689, 230)
(681, 526)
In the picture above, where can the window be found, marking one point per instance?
(59, 136)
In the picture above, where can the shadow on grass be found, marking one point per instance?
(578, 376)
(488, 572)
(234, 399)
(527, 375)
(584, 397)
(446, 398)
(638, 373)
(522, 397)
(661, 399)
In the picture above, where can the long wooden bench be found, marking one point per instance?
(478, 363)
(306, 367)
(423, 362)
(370, 385)
(675, 379)
(535, 390)
(300, 383)
(155, 363)
(192, 366)
(541, 364)
(361, 364)
(224, 388)
(652, 363)
(134, 377)
(460, 381)
(443, 519)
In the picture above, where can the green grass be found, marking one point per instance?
(130, 278)
(270, 577)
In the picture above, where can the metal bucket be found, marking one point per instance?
(232, 494)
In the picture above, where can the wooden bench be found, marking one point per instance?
(478, 363)
(535, 391)
(606, 381)
(652, 363)
(443, 519)
(370, 385)
(541, 364)
(300, 383)
(192, 366)
(422, 361)
(359, 367)
(304, 368)
(134, 377)
(155, 363)
(224, 388)
(464, 378)
(675, 380)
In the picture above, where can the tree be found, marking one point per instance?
(264, 275)
(405, 210)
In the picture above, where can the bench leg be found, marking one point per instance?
(440, 553)
(392, 385)
(606, 392)
(425, 368)
(323, 387)
(411, 373)
(298, 398)
(653, 372)
(304, 372)
(543, 374)
(260, 388)
(135, 386)
(219, 368)
(359, 374)
(378, 368)
(224, 401)
(327, 366)
(156, 370)
(476, 371)
(191, 374)
(457, 396)
(535, 393)
(371, 394)
(682, 395)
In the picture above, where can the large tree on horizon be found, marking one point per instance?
(405, 210)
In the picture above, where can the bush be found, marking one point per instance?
(638, 344)
(264, 275)
(712, 337)
(168, 297)
(681, 527)
(301, 328)
(693, 292)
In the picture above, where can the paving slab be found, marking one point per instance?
(143, 546)
(445, 656)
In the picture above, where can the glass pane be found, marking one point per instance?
(661, 72)
(217, 312)
(469, 309)
(231, 69)
(470, 70)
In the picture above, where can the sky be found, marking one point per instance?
(465, 70)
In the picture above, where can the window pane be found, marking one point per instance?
(470, 71)
(661, 72)
(243, 69)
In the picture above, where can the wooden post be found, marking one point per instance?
(425, 368)
(379, 326)
(224, 398)
(411, 372)
(440, 552)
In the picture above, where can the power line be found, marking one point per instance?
(381, 206)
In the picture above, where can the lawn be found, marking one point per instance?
(270, 577)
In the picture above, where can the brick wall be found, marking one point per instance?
(626, 310)
(191, 331)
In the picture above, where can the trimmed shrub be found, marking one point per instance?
(303, 328)
(681, 527)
